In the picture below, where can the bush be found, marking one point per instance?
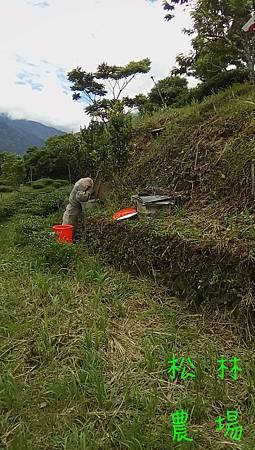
(6, 211)
(39, 186)
(63, 182)
(45, 204)
(43, 183)
(5, 181)
(218, 82)
(60, 183)
(40, 204)
(4, 188)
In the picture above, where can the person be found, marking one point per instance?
(80, 193)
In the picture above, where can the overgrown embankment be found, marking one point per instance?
(196, 267)
(204, 251)
(205, 150)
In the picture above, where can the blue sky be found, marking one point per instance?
(41, 40)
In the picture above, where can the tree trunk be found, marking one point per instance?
(251, 72)
(69, 174)
(249, 58)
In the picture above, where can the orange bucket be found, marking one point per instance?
(64, 233)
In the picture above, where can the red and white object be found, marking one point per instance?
(250, 25)
(125, 213)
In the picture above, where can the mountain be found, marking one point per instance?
(17, 135)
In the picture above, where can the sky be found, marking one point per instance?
(41, 40)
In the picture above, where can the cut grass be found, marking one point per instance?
(84, 361)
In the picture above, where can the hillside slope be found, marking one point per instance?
(205, 150)
(203, 251)
(17, 135)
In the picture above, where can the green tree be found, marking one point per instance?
(141, 103)
(170, 5)
(173, 91)
(120, 130)
(13, 169)
(219, 42)
(108, 82)
(31, 160)
(61, 157)
(97, 146)
(64, 156)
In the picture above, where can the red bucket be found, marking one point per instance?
(64, 233)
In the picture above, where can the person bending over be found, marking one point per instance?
(80, 193)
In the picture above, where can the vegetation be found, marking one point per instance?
(204, 151)
(85, 350)
(43, 183)
(114, 80)
(12, 169)
(38, 204)
(219, 41)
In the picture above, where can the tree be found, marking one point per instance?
(170, 6)
(61, 157)
(219, 41)
(141, 103)
(31, 158)
(173, 91)
(64, 155)
(108, 81)
(13, 169)
(96, 146)
(119, 129)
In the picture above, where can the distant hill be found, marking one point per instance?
(17, 135)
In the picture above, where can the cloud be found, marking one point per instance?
(21, 60)
(40, 45)
(64, 82)
(40, 3)
(30, 79)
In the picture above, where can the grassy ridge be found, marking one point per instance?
(200, 269)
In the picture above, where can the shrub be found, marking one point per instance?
(4, 188)
(5, 181)
(41, 183)
(60, 183)
(218, 82)
(39, 186)
(44, 183)
(40, 204)
(6, 211)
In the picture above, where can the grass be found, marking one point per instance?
(204, 151)
(84, 357)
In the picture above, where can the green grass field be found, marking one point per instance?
(84, 358)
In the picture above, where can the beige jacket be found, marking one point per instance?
(80, 193)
